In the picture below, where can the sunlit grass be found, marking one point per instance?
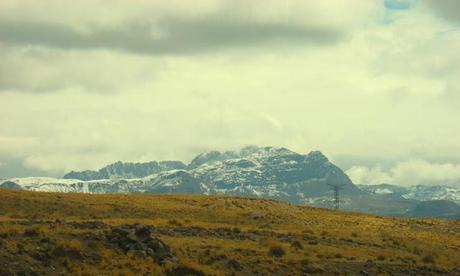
(220, 235)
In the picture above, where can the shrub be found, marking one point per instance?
(236, 230)
(305, 262)
(74, 244)
(34, 231)
(313, 268)
(296, 245)
(174, 222)
(276, 251)
(234, 264)
(431, 259)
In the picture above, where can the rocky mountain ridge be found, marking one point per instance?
(417, 192)
(263, 172)
(252, 171)
(126, 170)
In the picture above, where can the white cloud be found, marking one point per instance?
(407, 173)
(448, 9)
(365, 175)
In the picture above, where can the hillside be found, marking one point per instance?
(52, 233)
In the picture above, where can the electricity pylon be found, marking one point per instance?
(336, 187)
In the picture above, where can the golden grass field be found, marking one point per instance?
(62, 234)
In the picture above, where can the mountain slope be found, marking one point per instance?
(438, 208)
(10, 185)
(273, 173)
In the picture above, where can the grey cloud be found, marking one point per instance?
(26, 69)
(448, 9)
(177, 36)
(51, 70)
(15, 167)
(12, 78)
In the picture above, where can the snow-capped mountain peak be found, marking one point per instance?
(253, 171)
(267, 172)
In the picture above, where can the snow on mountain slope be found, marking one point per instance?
(175, 181)
(419, 192)
(383, 191)
(265, 172)
(37, 181)
(262, 166)
(251, 171)
(126, 170)
(48, 184)
(425, 193)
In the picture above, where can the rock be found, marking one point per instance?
(95, 224)
(137, 246)
(120, 231)
(143, 232)
(234, 264)
(150, 252)
(131, 237)
(136, 253)
(139, 241)
(184, 270)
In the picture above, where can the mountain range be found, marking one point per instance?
(265, 172)
(417, 192)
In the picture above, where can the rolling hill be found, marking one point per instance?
(119, 234)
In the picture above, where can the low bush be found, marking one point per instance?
(277, 251)
(297, 245)
(429, 259)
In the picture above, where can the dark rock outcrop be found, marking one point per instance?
(139, 241)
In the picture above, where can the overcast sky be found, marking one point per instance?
(372, 84)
